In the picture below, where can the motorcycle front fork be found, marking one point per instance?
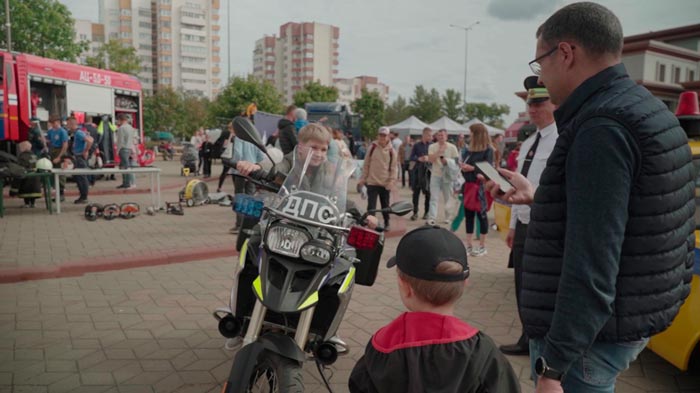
(258, 317)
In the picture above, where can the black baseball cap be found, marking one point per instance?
(422, 250)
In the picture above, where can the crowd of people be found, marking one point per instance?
(70, 144)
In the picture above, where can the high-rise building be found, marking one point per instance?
(302, 53)
(177, 41)
(92, 33)
(351, 89)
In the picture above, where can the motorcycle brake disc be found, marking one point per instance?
(111, 211)
(93, 211)
(129, 210)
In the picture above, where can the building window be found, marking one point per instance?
(164, 12)
(165, 81)
(145, 25)
(691, 75)
(165, 24)
(125, 12)
(166, 36)
(125, 34)
(660, 72)
(165, 1)
(676, 74)
(83, 37)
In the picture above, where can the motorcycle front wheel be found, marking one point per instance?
(276, 374)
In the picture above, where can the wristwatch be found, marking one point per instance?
(542, 370)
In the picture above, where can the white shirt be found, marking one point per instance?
(548, 137)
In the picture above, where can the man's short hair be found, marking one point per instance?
(122, 117)
(71, 118)
(428, 129)
(590, 25)
(315, 132)
(54, 118)
(437, 293)
(291, 109)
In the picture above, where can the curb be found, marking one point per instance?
(79, 268)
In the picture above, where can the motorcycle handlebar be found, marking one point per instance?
(259, 178)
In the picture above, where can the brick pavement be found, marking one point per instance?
(150, 329)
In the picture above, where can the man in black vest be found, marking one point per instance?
(532, 160)
(609, 247)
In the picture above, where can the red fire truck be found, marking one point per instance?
(36, 87)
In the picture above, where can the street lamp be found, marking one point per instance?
(466, 46)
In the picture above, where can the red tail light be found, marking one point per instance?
(362, 238)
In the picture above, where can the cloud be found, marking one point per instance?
(521, 10)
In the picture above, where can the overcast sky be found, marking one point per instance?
(409, 42)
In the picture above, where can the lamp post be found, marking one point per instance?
(8, 25)
(466, 47)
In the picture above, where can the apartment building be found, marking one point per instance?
(178, 41)
(666, 62)
(350, 89)
(92, 33)
(302, 53)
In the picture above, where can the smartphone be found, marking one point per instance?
(491, 173)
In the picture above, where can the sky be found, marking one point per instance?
(410, 42)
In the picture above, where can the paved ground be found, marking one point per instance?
(150, 329)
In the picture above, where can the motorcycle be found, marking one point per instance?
(304, 251)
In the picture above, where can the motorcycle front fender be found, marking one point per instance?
(247, 357)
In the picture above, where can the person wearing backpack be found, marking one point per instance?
(379, 173)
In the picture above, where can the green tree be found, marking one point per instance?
(240, 92)
(196, 114)
(315, 92)
(397, 111)
(163, 111)
(371, 106)
(116, 56)
(452, 105)
(426, 104)
(490, 114)
(43, 28)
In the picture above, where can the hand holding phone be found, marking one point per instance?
(491, 173)
(521, 193)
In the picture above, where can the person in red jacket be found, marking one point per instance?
(428, 349)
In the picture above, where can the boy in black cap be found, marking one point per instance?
(428, 349)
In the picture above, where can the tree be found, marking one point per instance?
(315, 92)
(452, 105)
(43, 28)
(397, 111)
(241, 92)
(489, 114)
(162, 111)
(177, 112)
(117, 57)
(371, 106)
(426, 105)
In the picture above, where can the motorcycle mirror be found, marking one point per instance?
(246, 131)
(401, 208)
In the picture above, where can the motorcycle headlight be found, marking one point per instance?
(285, 240)
(316, 252)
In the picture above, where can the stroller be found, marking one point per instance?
(189, 159)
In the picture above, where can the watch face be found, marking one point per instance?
(539, 366)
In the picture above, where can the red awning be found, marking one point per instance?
(513, 130)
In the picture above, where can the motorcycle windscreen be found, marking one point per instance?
(314, 172)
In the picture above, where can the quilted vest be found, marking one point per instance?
(655, 267)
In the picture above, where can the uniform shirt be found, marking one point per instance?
(449, 154)
(548, 138)
(57, 137)
(79, 142)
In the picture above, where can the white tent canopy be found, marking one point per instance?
(452, 127)
(410, 126)
(491, 129)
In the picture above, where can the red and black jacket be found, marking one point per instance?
(425, 352)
